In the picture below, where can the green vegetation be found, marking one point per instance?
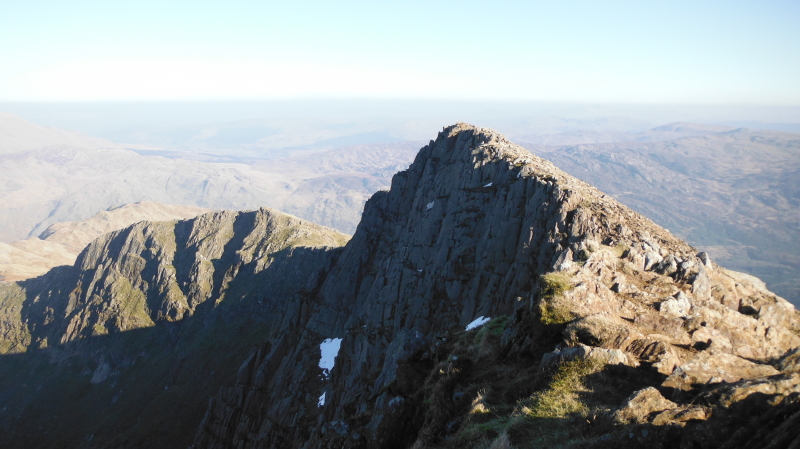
(561, 398)
(494, 327)
(131, 304)
(551, 287)
(512, 404)
(480, 395)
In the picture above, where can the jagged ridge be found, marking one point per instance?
(468, 230)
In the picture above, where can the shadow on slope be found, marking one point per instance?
(146, 387)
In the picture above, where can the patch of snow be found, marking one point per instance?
(488, 185)
(329, 349)
(321, 400)
(429, 206)
(478, 322)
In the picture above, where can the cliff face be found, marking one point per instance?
(480, 227)
(124, 348)
(487, 300)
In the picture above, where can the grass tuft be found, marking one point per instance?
(494, 327)
(553, 286)
(561, 398)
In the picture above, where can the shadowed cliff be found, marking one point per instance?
(124, 348)
(480, 227)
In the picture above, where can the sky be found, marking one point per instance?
(676, 52)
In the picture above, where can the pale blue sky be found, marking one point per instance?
(568, 51)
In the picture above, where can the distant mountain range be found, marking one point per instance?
(734, 193)
(67, 183)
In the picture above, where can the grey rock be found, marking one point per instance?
(668, 266)
(651, 258)
(704, 258)
(678, 306)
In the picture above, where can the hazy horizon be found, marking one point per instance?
(173, 124)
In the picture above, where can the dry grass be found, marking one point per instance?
(479, 404)
(551, 287)
(620, 249)
(561, 399)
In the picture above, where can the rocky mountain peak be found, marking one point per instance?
(486, 299)
(479, 227)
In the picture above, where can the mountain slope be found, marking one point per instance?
(17, 134)
(734, 193)
(480, 227)
(123, 348)
(487, 299)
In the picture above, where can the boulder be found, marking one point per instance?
(642, 403)
(709, 368)
(677, 306)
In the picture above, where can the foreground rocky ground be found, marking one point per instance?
(599, 328)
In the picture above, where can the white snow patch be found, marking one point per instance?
(478, 322)
(429, 206)
(488, 185)
(329, 348)
(321, 400)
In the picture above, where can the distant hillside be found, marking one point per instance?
(78, 234)
(61, 243)
(734, 193)
(56, 184)
(17, 134)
